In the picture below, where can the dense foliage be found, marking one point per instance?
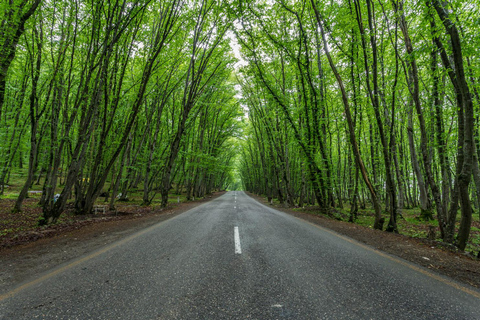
(104, 96)
(350, 103)
(364, 101)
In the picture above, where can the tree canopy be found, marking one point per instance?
(341, 103)
(365, 101)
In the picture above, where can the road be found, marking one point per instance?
(234, 258)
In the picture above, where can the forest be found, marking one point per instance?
(364, 103)
(350, 106)
(103, 97)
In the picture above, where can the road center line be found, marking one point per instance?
(238, 248)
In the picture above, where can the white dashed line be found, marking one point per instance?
(238, 248)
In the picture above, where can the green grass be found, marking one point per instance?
(135, 197)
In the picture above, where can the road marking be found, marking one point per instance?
(238, 248)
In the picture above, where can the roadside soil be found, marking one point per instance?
(33, 253)
(431, 254)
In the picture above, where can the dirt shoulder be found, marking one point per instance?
(36, 255)
(427, 253)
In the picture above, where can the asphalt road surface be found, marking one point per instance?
(234, 258)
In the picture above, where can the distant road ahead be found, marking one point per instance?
(234, 258)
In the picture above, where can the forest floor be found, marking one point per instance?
(431, 254)
(20, 228)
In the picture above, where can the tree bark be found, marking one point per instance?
(466, 116)
(353, 140)
(11, 29)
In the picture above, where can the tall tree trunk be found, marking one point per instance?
(12, 27)
(34, 115)
(424, 201)
(374, 98)
(467, 114)
(353, 140)
(413, 82)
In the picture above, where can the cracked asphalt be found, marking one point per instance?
(187, 268)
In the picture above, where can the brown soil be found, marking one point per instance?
(31, 253)
(430, 254)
